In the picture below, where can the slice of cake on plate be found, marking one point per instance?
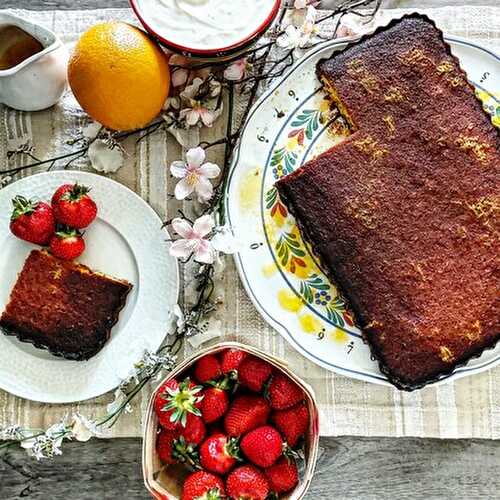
(63, 306)
(404, 214)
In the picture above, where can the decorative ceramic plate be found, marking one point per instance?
(280, 273)
(126, 241)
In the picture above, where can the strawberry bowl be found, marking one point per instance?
(165, 477)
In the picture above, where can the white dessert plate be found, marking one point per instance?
(126, 241)
(285, 128)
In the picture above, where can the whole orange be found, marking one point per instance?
(119, 75)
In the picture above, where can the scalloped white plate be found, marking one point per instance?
(280, 274)
(126, 241)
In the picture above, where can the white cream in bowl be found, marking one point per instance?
(204, 25)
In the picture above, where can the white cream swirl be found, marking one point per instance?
(204, 24)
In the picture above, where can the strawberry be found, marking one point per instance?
(173, 448)
(253, 373)
(175, 400)
(194, 431)
(165, 445)
(246, 413)
(161, 401)
(292, 423)
(73, 206)
(67, 244)
(214, 404)
(283, 392)
(283, 476)
(219, 453)
(32, 221)
(202, 485)
(207, 369)
(262, 446)
(231, 360)
(247, 482)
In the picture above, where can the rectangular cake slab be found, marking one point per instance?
(404, 214)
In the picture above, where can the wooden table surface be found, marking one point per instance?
(348, 467)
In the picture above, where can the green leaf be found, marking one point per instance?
(334, 317)
(305, 291)
(271, 197)
(303, 117)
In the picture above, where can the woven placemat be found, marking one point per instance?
(469, 407)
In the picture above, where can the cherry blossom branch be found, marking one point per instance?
(79, 153)
(218, 142)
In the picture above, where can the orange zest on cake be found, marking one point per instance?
(63, 306)
(408, 203)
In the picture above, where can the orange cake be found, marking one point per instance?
(63, 306)
(404, 214)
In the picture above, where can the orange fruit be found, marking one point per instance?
(119, 76)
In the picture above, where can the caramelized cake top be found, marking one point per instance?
(63, 306)
(404, 214)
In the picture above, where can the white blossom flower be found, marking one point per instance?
(118, 401)
(173, 102)
(11, 433)
(202, 240)
(91, 130)
(196, 101)
(236, 70)
(309, 26)
(199, 114)
(82, 429)
(179, 74)
(181, 320)
(182, 73)
(48, 444)
(151, 361)
(352, 25)
(298, 37)
(105, 158)
(291, 38)
(193, 239)
(215, 88)
(192, 89)
(194, 175)
(196, 114)
(224, 240)
(150, 364)
(197, 109)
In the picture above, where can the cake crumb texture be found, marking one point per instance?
(63, 306)
(404, 214)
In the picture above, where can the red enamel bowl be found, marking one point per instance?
(217, 53)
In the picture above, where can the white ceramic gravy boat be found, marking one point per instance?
(40, 80)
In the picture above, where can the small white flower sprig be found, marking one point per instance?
(42, 444)
(197, 101)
